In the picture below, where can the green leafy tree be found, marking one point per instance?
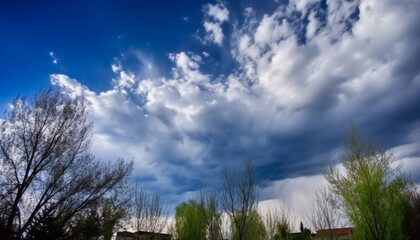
(412, 214)
(277, 224)
(283, 229)
(305, 233)
(255, 227)
(100, 221)
(87, 225)
(208, 207)
(189, 222)
(46, 226)
(371, 190)
(113, 214)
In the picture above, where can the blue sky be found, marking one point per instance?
(182, 87)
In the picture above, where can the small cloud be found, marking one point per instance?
(214, 16)
(54, 58)
(195, 57)
(124, 80)
(185, 19)
(116, 68)
(248, 12)
(214, 32)
(217, 11)
(205, 54)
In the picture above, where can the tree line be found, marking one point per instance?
(51, 187)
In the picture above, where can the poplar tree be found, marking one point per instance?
(371, 190)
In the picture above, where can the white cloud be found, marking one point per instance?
(214, 31)
(302, 5)
(408, 155)
(350, 68)
(293, 195)
(116, 68)
(125, 79)
(215, 16)
(70, 86)
(312, 26)
(217, 11)
(187, 66)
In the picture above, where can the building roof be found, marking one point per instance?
(335, 231)
(125, 234)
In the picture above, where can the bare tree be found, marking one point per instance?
(238, 195)
(149, 212)
(46, 164)
(323, 213)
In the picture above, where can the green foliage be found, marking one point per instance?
(283, 230)
(189, 222)
(111, 216)
(371, 190)
(255, 229)
(99, 222)
(87, 226)
(305, 233)
(412, 214)
(208, 206)
(277, 224)
(46, 226)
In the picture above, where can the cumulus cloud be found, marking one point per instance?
(299, 78)
(70, 86)
(215, 15)
(217, 11)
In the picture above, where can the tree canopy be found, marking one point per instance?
(189, 222)
(371, 189)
